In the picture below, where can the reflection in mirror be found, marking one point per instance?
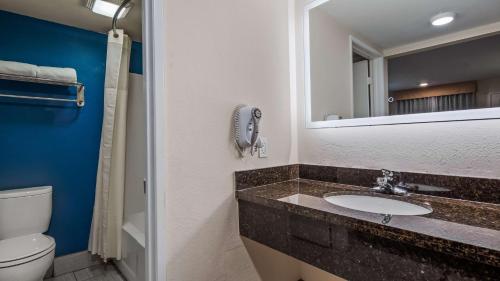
(457, 77)
(370, 59)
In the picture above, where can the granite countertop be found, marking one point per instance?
(465, 229)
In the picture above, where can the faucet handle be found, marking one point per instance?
(381, 181)
(387, 173)
(387, 184)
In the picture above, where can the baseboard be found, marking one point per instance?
(125, 270)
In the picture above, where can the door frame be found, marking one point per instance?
(368, 83)
(377, 74)
(154, 56)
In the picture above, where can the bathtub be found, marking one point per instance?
(132, 264)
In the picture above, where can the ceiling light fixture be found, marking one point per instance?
(107, 8)
(424, 84)
(443, 19)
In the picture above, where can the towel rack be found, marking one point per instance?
(80, 88)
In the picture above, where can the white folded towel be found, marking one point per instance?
(18, 68)
(57, 73)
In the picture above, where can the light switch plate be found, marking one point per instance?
(263, 149)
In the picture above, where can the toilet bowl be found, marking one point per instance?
(25, 253)
(26, 258)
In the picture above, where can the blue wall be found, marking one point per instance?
(52, 144)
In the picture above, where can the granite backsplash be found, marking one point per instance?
(458, 187)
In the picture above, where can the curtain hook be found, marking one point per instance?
(115, 17)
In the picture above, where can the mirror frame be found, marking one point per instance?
(444, 116)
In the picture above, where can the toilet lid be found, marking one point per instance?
(24, 246)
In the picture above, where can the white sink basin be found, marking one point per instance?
(378, 205)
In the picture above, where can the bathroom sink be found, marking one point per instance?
(378, 205)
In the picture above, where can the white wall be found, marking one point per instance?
(220, 54)
(135, 162)
(469, 148)
(331, 65)
(486, 87)
(133, 254)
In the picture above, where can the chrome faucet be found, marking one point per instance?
(389, 185)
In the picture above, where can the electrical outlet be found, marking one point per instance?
(263, 149)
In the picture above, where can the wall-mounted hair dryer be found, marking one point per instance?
(246, 129)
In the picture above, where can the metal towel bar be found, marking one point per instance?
(80, 88)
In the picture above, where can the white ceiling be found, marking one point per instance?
(74, 13)
(392, 23)
(473, 60)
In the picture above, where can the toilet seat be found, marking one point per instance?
(23, 249)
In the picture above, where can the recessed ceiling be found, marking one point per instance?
(473, 60)
(392, 23)
(74, 13)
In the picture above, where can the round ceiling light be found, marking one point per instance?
(443, 19)
(424, 84)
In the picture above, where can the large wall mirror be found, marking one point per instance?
(401, 61)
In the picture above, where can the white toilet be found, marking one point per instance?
(25, 253)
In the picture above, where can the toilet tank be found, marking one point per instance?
(25, 211)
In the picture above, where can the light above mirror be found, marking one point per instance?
(368, 63)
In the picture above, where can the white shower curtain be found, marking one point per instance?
(105, 236)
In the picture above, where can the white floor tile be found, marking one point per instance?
(74, 262)
(98, 272)
(64, 277)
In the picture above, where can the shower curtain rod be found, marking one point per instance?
(115, 17)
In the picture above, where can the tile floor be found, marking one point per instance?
(100, 272)
(74, 262)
